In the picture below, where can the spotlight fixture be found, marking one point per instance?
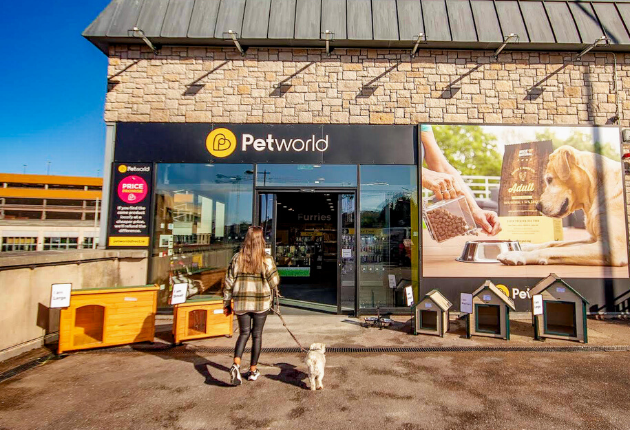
(329, 36)
(421, 38)
(506, 40)
(599, 41)
(234, 36)
(137, 32)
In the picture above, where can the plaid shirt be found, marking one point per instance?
(249, 292)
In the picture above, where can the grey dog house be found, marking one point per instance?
(564, 311)
(490, 315)
(431, 314)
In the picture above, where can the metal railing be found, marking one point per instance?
(480, 186)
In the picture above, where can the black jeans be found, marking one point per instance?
(250, 323)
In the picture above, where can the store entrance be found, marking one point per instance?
(311, 235)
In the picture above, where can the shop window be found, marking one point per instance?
(309, 175)
(89, 242)
(58, 243)
(389, 235)
(14, 244)
(201, 216)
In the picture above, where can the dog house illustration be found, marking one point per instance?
(490, 313)
(200, 317)
(564, 311)
(107, 317)
(431, 314)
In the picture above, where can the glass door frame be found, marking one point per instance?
(258, 191)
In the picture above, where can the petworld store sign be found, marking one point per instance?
(265, 143)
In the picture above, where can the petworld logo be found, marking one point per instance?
(222, 142)
(124, 169)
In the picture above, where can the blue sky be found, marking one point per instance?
(53, 84)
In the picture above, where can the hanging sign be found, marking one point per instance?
(179, 294)
(465, 303)
(538, 304)
(60, 296)
(409, 293)
(392, 281)
(130, 209)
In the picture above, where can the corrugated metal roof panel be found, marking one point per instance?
(230, 17)
(384, 20)
(256, 19)
(307, 19)
(359, 19)
(410, 23)
(461, 21)
(538, 26)
(488, 28)
(152, 17)
(436, 20)
(586, 22)
(282, 19)
(203, 19)
(624, 11)
(511, 20)
(611, 22)
(334, 17)
(562, 22)
(100, 25)
(177, 19)
(125, 18)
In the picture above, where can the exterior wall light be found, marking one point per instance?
(329, 36)
(512, 37)
(137, 32)
(421, 38)
(599, 41)
(234, 36)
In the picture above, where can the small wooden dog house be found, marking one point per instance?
(200, 317)
(432, 314)
(563, 311)
(490, 313)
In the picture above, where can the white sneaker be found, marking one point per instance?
(252, 376)
(235, 375)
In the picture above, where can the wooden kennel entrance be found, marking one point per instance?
(490, 315)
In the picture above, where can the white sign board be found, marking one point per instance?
(428, 305)
(392, 281)
(179, 294)
(60, 296)
(538, 304)
(486, 297)
(465, 303)
(409, 293)
(561, 290)
(268, 251)
(346, 253)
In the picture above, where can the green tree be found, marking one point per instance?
(582, 141)
(469, 149)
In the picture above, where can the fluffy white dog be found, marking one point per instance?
(316, 362)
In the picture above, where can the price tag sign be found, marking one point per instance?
(60, 296)
(428, 305)
(538, 304)
(465, 303)
(487, 297)
(392, 281)
(561, 290)
(179, 294)
(409, 294)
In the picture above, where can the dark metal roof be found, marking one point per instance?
(456, 24)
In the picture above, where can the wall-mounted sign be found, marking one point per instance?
(486, 297)
(465, 303)
(346, 253)
(129, 218)
(538, 304)
(60, 296)
(179, 294)
(428, 305)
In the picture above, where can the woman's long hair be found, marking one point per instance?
(252, 253)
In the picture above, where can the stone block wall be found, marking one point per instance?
(361, 86)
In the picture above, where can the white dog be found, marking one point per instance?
(316, 362)
(591, 182)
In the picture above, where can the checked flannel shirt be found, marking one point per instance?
(247, 290)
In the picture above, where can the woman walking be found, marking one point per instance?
(250, 279)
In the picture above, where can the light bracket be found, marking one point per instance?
(506, 40)
(233, 35)
(599, 41)
(137, 32)
(329, 36)
(420, 38)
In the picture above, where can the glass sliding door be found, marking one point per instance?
(267, 220)
(347, 255)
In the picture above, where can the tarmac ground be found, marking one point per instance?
(187, 387)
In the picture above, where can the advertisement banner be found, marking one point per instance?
(130, 210)
(556, 192)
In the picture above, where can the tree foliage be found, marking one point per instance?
(582, 141)
(469, 149)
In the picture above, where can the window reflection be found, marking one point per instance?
(311, 175)
(202, 215)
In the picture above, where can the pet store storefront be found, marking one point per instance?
(348, 222)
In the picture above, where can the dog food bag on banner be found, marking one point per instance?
(449, 218)
(523, 178)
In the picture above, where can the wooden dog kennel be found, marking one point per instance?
(564, 311)
(101, 317)
(431, 314)
(490, 314)
(201, 317)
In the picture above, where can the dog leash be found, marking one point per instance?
(276, 310)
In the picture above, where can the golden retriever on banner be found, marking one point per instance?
(591, 182)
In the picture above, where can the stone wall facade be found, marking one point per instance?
(364, 86)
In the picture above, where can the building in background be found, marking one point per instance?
(45, 212)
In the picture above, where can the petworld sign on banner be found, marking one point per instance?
(130, 209)
(265, 143)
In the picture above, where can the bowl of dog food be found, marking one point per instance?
(486, 251)
(447, 219)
